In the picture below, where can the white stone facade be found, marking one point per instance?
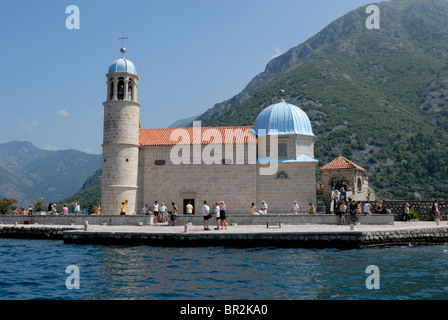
(236, 184)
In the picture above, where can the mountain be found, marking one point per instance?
(28, 173)
(182, 122)
(89, 194)
(378, 97)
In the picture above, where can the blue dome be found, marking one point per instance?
(283, 119)
(123, 65)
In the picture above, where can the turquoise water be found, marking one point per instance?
(36, 269)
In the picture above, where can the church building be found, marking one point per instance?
(271, 161)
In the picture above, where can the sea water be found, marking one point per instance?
(37, 269)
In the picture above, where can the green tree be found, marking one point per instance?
(6, 205)
(39, 205)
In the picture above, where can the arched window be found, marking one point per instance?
(282, 175)
(111, 91)
(120, 89)
(130, 90)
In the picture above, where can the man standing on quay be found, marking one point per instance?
(206, 214)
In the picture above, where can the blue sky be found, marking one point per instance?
(189, 54)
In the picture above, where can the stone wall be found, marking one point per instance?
(27, 232)
(240, 219)
(349, 239)
(233, 183)
(422, 207)
(427, 236)
(280, 193)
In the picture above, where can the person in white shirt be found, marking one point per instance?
(155, 209)
(206, 214)
(77, 208)
(264, 207)
(217, 211)
(162, 211)
(337, 195)
(367, 208)
(435, 208)
(295, 207)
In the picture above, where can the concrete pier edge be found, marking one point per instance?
(273, 235)
(289, 239)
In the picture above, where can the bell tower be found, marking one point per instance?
(120, 138)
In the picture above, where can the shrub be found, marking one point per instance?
(413, 213)
(39, 205)
(6, 205)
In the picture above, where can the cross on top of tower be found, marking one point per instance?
(123, 49)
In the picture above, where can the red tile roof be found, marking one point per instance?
(341, 163)
(174, 136)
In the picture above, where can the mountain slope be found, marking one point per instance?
(379, 97)
(28, 173)
(182, 122)
(89, 194)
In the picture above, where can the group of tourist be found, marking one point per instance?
(354, 209)
(219, 211)
(160, 212)
(92, 210)
(52, 210)
(264, 208)
(343, 206)
(434, 210)
(23, 211)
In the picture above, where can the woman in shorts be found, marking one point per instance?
(222, 212)
(155, 209)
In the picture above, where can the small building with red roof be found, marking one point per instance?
(343, 174)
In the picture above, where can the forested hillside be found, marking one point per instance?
(378, 97)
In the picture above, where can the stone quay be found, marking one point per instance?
(189, 232)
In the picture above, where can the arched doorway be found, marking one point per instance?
(338, 183)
